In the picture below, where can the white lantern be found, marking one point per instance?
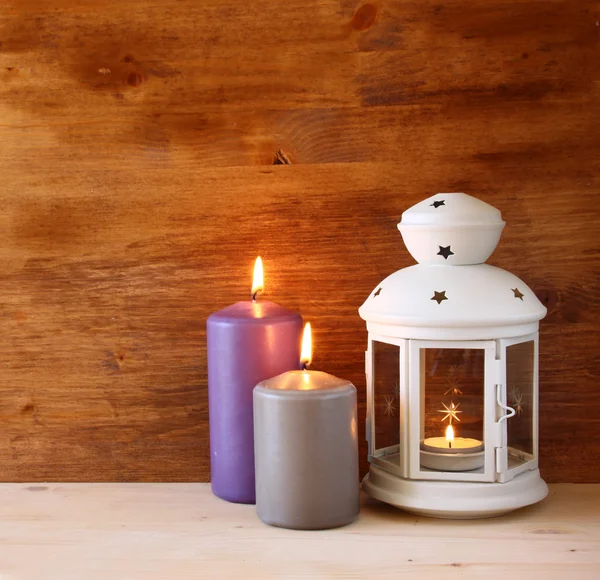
(452, 372)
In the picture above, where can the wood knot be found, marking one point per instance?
(281, 158)
(114, 361)
(135, 79)
(364, 17)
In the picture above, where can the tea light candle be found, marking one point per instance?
(247, 342)
(306, 450)
(451, 453)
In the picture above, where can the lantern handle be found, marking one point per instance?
(511, 411)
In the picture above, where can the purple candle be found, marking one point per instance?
(247, 343)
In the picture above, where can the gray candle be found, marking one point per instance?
(306, 454)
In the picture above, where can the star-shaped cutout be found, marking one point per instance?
(518, 294)
(439, 297)
(445, 251)
(437, 204)
(377, 292)
(450, 412)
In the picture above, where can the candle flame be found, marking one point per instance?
(258, 281)
(306, 352)
(449, 434)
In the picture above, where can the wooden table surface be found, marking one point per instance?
(171, 531)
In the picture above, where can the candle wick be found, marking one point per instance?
(304, 365)
(449, 444)
(254, 295)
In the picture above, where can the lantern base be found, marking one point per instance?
(455, 499)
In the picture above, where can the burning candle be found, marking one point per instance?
(306, 448)
(247, 342)
(451, 444)
(450, 453)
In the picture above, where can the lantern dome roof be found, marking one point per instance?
(451, 294)
(466, 297)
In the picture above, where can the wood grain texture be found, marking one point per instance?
(150, 150)
(181, 531)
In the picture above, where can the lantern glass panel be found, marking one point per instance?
(520, 382)
(452, 396)
(386, 399)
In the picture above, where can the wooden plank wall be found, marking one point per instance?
(149, 150)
